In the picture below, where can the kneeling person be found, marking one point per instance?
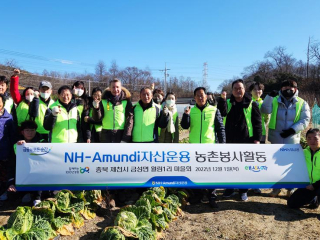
(310, 194)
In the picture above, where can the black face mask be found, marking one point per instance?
(287, 93)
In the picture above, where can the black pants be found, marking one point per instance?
(301, 197)
(111, 136)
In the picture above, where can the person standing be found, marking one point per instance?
(290, 115)
(242, 123)
(170, 134)
(205, 122)
(62, 118)
(39, 106)
(116, 113)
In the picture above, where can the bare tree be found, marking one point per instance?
(101, 71)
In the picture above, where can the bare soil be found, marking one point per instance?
(262, 217)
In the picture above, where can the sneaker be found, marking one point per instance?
(4, 196)
(228, 193)
(314, 204)
(36, 202)
(257, 191)
(205, 199)
(290, 192)
(244, 197)
(275, 192)
(213, 203)
(26, 198)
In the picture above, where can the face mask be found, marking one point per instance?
(157, 100)
(78, 92)
(45, 95)
(29, 98)
(287, 93)
(170, 103)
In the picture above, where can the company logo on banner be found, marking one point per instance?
(99, 166)
(37, 150)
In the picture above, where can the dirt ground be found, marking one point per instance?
(262, 217)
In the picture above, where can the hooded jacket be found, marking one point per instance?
(285, 119)
(98, 115)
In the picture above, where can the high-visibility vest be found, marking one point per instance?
(98, 127)
(202, 124)
(41, 113)
(22, 112)
(313, 165)
(9, 105)
(275, 105)
(247, 114)
(114, 115)
(144, 123)
(260, 101)
(65, 128)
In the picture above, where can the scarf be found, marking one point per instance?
(172, 110)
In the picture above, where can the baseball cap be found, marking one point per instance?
(45, 84)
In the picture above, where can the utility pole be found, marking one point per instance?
(89, 87)
(165, 77)
(205, 75)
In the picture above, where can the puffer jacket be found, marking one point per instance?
(285, 119)
(7, 133)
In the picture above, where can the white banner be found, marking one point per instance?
(54, 166)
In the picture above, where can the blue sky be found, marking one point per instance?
(228, 34)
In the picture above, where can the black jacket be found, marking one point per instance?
(236, 126)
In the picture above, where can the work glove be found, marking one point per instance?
(56, 110)
(273, 93)
(95, 104)
(165, 111)
(286, 133)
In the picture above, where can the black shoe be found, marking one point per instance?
(228, 193)
(314, 203)
(213, 203)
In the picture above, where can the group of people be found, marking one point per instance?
(109, 116)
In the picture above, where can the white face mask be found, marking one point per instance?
(45, 95)
(29, 98)
(170, 103)
(78, 92)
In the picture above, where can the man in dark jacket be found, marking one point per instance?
(242, 123)
(116, 113)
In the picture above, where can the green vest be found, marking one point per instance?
(65, 128)
(202, 124)
(275, 105)
(98, 127)
(247, 113)
(114, 116)
(260, 101)
(313, 166)
(41, 113)
(22, 112)
(144, 122)
(9, 105)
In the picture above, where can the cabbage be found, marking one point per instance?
(43, 213)
(144, 202)
(77, 220)
(160, 191)
(111, 234)
(126, 220)
(87, 214)
(158, 221)
(144, 230)
(21, 220)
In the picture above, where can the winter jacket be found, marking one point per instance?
(285, 119)
(14, 89)
(115, 135)
(218, 130)
(236, 125)
(64, 128)
(7, 135)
